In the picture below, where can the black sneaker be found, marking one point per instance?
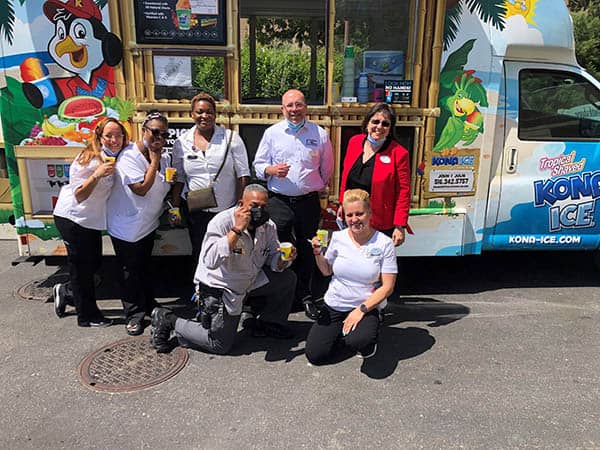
(160, 334)
(59, 297)
(368, 351)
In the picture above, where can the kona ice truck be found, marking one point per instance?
(502, 124)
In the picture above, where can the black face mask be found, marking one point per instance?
(258, 216)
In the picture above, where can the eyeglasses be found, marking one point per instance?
(297, 105)
(156, 132)
(109, 137)
(384, 123)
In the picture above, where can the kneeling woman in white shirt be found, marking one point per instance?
(134, 208)
(80, 216)
(363, 264)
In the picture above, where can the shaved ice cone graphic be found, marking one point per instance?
(183, 9)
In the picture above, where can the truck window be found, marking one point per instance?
(557, 106)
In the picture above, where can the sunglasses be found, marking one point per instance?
(156, 133)
(384, 123)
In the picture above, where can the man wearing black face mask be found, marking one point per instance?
(240, 260)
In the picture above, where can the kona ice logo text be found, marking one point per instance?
(576, 187)
(562, 165)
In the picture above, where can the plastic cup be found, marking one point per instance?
(323, 236)
(286, 250)
(110, 159)
(174, 213)
(170, 174)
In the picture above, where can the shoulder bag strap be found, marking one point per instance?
(224, 157)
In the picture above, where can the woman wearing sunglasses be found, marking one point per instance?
(376, 163)
(80, 217)
(134, 208)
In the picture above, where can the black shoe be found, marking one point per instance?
(59, 297)
(311, 308)
(368, 351)
(247, 320)
(160, 334)
(98, 322)
(271, 329)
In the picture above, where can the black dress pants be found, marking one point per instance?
(197, 223)
(326, 332)
(297, 220)
(134, 259)
(84, 257)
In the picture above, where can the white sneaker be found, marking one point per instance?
(60, 300)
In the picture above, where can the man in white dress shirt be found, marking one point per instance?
(296, 159)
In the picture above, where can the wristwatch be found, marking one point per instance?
(363, 308)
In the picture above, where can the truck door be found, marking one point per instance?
(550, 174)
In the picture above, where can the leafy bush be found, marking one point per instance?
(277, 70)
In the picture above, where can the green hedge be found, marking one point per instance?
(277, 70)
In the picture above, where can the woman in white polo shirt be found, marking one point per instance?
(198, 155)
(362, 261)
(80, 216)
(134, 208)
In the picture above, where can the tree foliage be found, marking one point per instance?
(586, 23)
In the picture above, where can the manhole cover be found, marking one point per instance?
(129, 365)
(41, 290)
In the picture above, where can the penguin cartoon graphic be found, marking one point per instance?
(81, 45)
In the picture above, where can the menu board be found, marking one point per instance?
(187, 22)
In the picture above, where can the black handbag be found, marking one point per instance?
(204, 198)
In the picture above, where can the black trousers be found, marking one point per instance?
(84, 257)
(197, 223)
(326, 332)
(297, 220)
(134, 258)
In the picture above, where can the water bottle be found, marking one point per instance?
(363, 88)
(348, 84)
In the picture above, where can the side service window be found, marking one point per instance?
(557, 105)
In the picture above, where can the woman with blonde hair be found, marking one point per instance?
(362, 262)
(80, 217)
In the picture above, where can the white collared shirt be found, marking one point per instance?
(197, 169)
(308, 152)
(132, 217)
(90, 213)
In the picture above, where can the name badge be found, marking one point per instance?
(385, 159)
(192, 156)
(375, 252)
(311, 142)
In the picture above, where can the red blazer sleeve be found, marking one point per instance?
(402, 164)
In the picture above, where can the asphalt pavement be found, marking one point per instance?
(496, 351)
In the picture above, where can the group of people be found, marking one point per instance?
(236, 239)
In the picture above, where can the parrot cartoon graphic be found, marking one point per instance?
(461, 119)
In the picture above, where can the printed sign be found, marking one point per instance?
(451, 181)
(398, 91)
(188, 22)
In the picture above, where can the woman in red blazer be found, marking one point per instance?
(375, 162)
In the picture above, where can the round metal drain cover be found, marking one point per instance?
(41, 290)
(129, 365)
